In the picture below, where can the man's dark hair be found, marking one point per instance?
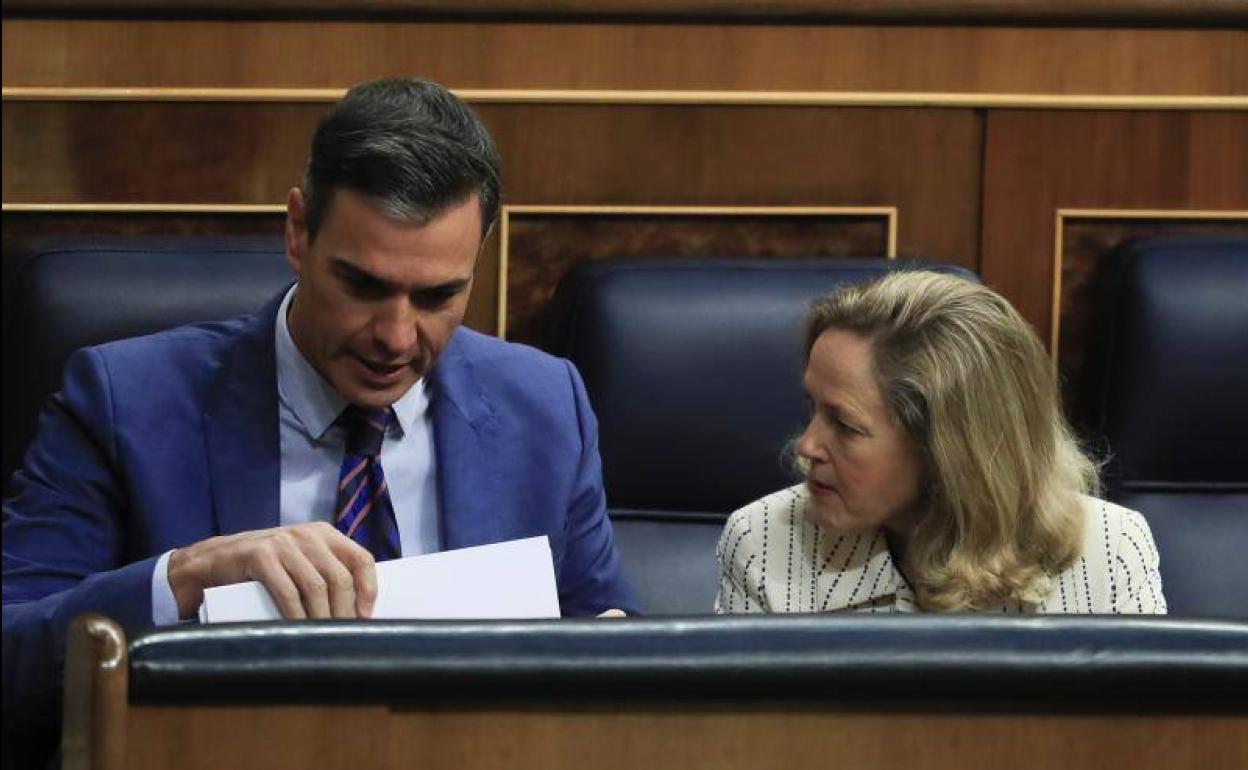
(410, 146)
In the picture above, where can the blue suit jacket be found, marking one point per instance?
(158, 442)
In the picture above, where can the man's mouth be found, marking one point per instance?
(380, 370)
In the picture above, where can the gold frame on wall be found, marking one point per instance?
(1061, 215)
(888, 213)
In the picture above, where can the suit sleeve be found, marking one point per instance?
(590, 578)
(65, 541)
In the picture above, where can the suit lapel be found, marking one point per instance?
(465, 442)
(241, 430)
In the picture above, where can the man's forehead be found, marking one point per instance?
(398, 211)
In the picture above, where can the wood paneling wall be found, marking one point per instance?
(1037, 162)
(626, 55)
(977, 133)
(924, 162)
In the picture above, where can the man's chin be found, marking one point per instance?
(361, 385)
(374, 396)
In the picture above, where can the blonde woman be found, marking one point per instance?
(940, 473)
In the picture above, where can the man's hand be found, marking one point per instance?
(310, 570)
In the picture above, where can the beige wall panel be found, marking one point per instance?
(1039, 162)
(924, 162)
(320, 54)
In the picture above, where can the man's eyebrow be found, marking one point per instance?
(453, 285)
(349, 270)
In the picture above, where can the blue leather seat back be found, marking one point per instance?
(73, 292)
(1170, 401)
(669, 558)
(1201, 538)
(694, 369)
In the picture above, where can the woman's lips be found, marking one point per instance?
(819, 489)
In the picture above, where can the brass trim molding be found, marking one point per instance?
(157, 94)
(144, 208)
(1059, 224)
(657, 97)
(1129, 12)
(889, 213)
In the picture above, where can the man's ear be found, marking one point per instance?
(296, 229)
(489, 232)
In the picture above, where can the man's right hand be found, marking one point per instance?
(310, 570)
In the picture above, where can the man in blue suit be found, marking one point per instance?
(214, 454)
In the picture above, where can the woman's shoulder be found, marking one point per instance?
(1115, 533)
(1106, 517)
(792, 499)
(1119, 543)
(762, 518)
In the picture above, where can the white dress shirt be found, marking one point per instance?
(311, 458)
(772, 558)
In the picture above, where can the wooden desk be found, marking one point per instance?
(453, 721)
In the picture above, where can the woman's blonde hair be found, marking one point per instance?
(968, 380)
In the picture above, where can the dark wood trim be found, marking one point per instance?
(1118, 12)
(97, 671)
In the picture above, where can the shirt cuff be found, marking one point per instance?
(164, 605)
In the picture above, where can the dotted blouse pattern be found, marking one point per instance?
(772, 558)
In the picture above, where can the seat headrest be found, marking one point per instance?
(74, 292)
(694, 369)
(985, 663)
(1170, 399)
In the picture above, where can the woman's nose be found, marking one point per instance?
(808, 444)
(396, 329)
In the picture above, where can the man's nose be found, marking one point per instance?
(396, 328)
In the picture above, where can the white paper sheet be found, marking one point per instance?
(512, 580)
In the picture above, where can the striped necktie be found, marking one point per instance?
(364, 512)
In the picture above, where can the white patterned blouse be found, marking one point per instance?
(773, 559)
